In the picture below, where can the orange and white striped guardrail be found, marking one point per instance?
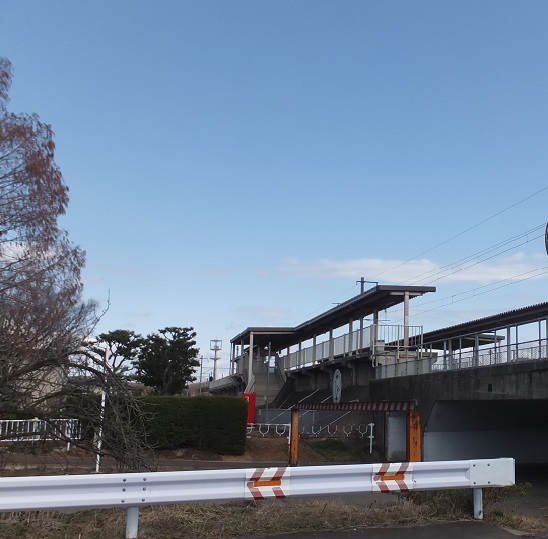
(133, 490)
(266, 482)
(393, 477)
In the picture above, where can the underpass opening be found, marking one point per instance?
(488, 429)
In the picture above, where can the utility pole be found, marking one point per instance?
(215, 345)
(99, 438)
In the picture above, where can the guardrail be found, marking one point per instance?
(78, 492)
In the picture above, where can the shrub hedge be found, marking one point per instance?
(210, 423)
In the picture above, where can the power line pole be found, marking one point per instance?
(215, 345)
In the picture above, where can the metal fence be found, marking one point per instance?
(36, 430)
(281, 430)
(391, 337)
(463, 359)
(526, 351)
(275, 422)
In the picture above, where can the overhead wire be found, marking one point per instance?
(423, 277)
(461, 233)
(476, 262)
(461, 262)
(542, 270)
(436, 271)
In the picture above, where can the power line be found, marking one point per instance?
(462, 261)
(477, 262)
(542, 270)
(461, 233)
(466, 259)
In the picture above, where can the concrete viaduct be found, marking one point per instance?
(481, 387)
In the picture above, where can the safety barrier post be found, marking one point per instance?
(414, 448)
(478, 503)
(132, 522)
(294, 438)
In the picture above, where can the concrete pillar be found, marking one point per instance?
(375, 327)
(360, 339)
(508, 344)
(314, 349)
(406, 319)
(250, 361)
(476, 350)
(517, 343)
(331, 345)
(350, 339)
(539, 340)
(546, 338)
(495, 346)
(300, 353)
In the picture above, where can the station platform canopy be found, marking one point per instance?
(372, 301)
(483, 329)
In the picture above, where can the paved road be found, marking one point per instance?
(451, 530)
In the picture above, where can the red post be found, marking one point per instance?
(251, 401)
(294, 439)
(414, 438)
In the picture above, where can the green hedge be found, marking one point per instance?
(210, 423)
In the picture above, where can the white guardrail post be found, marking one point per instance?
(134, 490)
(132, 522)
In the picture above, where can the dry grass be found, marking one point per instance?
(212, 521)
(244, 519)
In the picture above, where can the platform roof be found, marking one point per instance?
(375, 299)
(465, 332)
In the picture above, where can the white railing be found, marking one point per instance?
(392, 358)
(514, 353)
(468, 359)
(270, 430)
(34, 430)
(392, 338)
(78, 492)
(330, 430)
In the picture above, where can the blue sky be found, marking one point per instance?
(243, 163)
